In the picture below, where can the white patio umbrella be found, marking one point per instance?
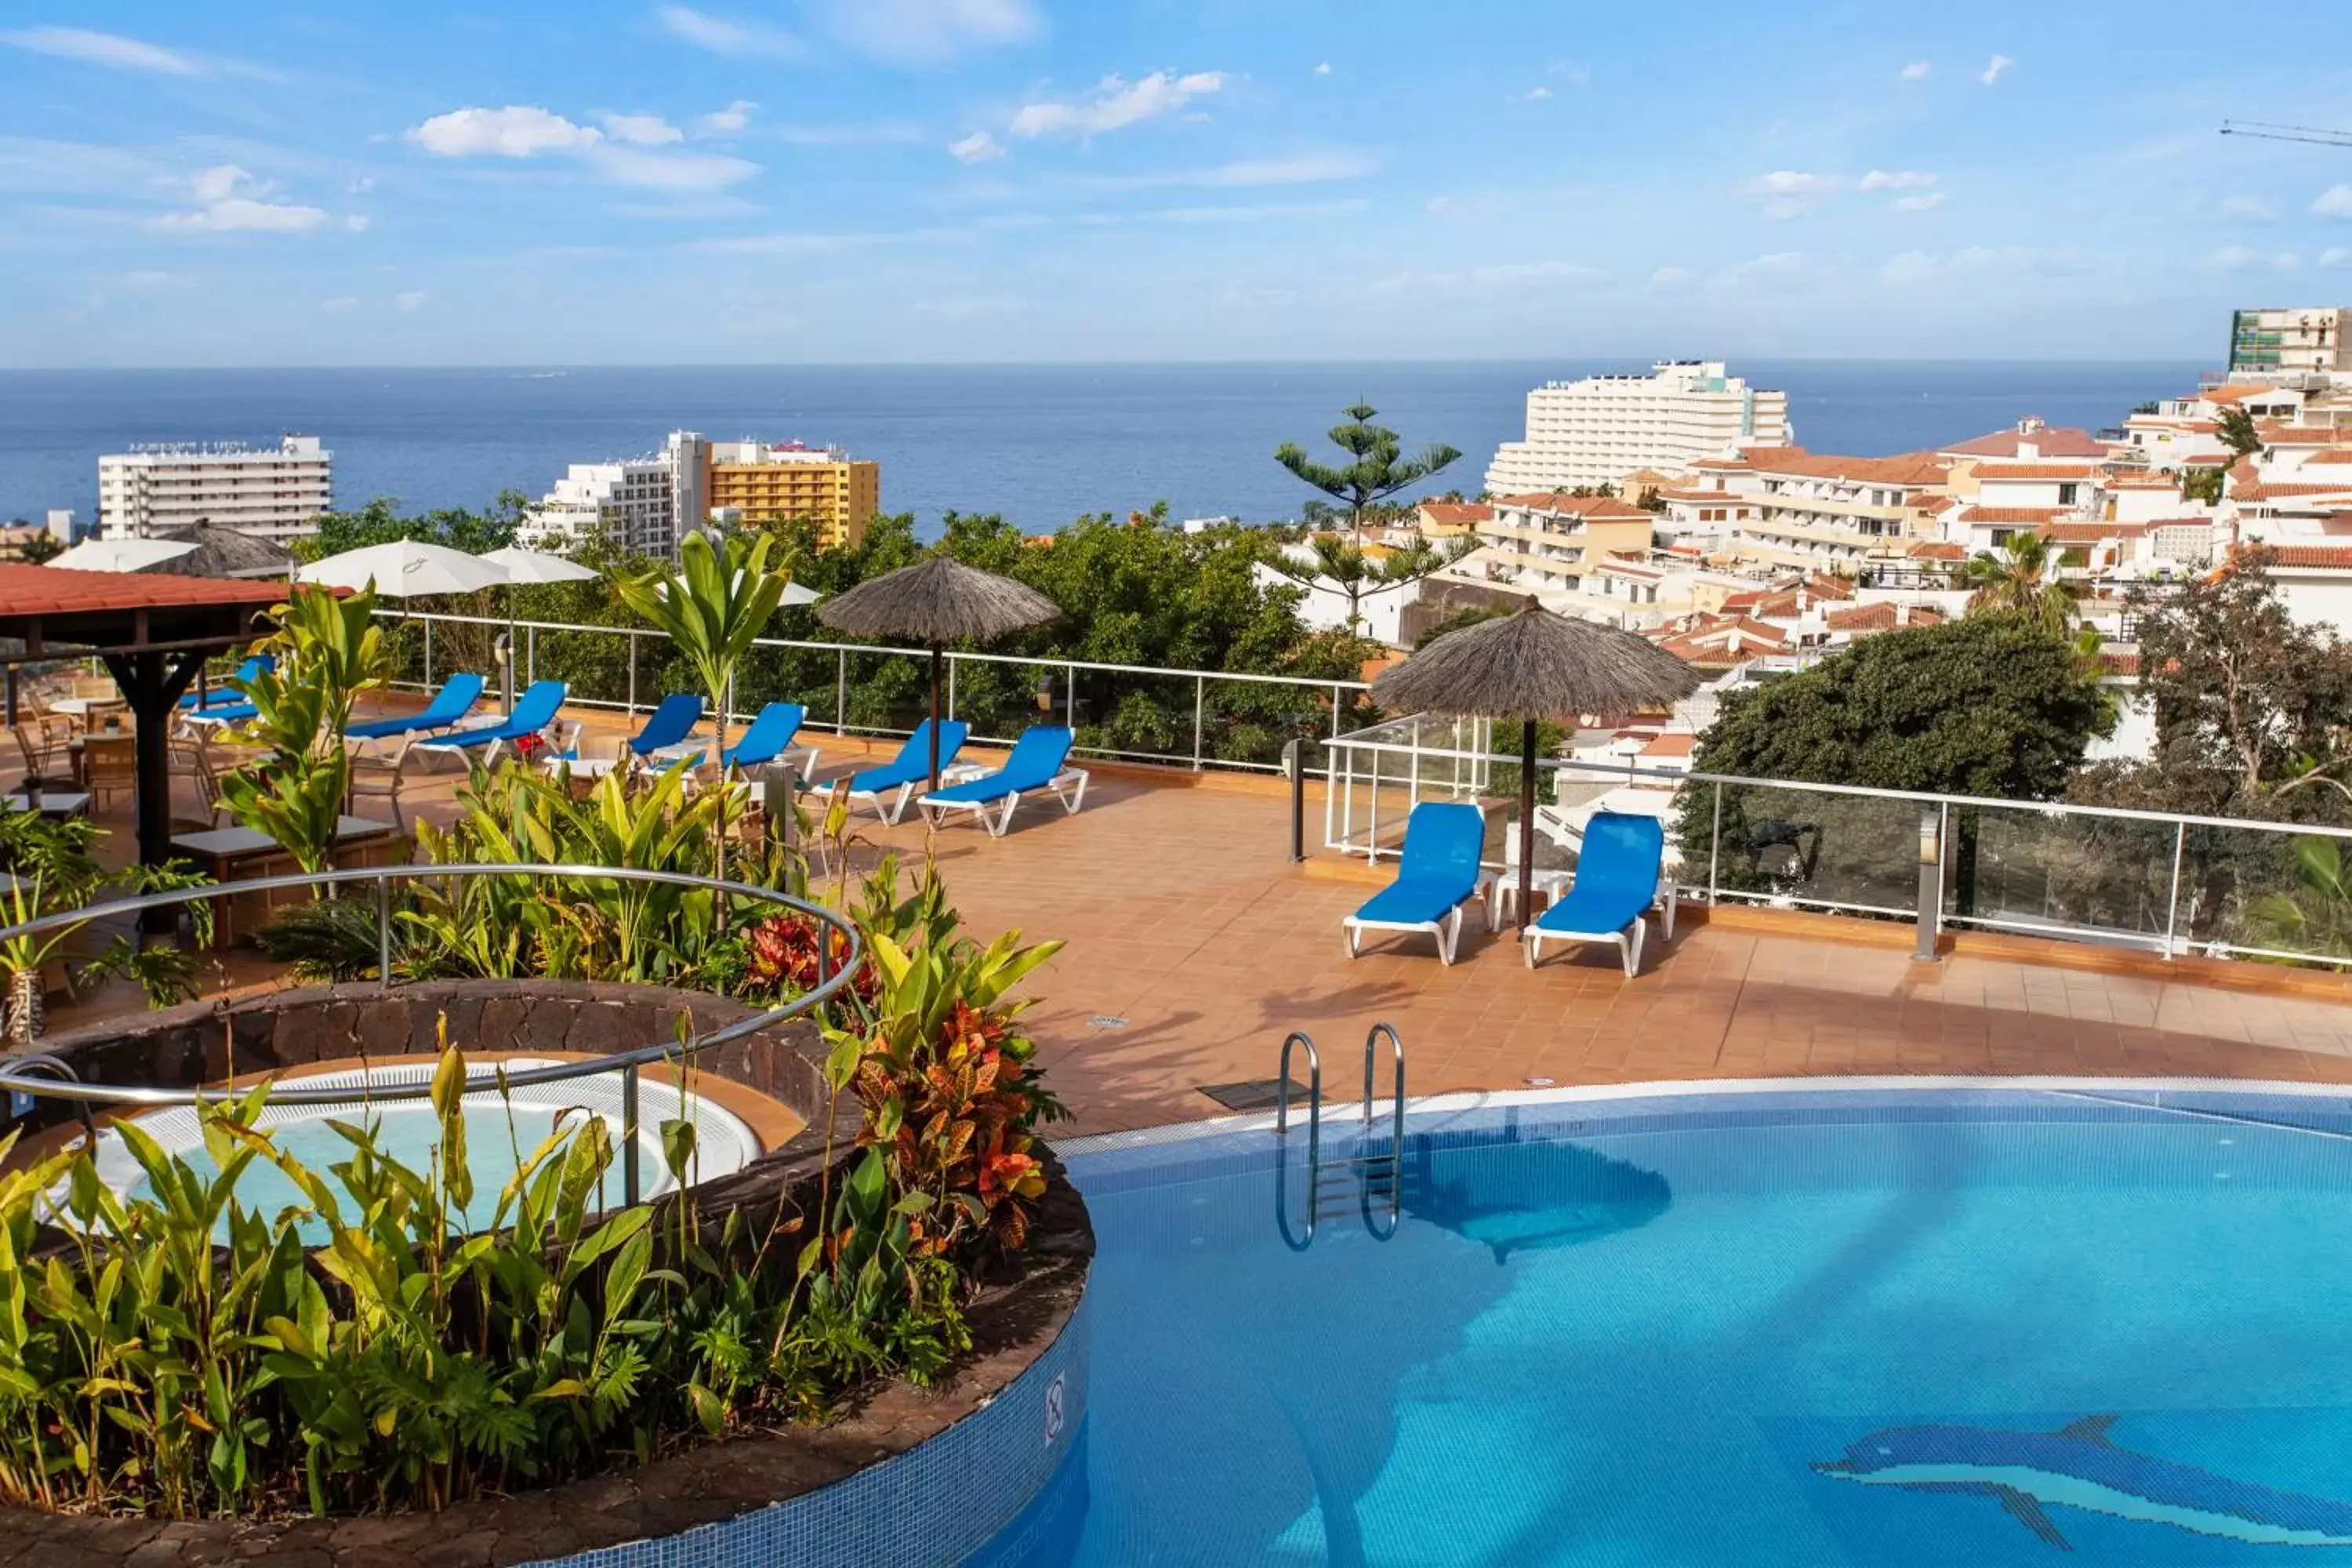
(535, 566)
(123, 555)
(796, 594)
(406, 569)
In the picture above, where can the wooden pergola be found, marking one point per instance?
(153, 632)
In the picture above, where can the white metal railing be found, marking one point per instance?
(2049, 869)
(1199, 756)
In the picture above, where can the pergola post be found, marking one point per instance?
(152, 684)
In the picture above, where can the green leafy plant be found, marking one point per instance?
(164, 971)
(711, 607)
(330, 650)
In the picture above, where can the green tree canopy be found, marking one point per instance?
(381, 523)
(2021, 578)
(1987, 705)
(2237, 432)
(2253, 709)
(1377, 469)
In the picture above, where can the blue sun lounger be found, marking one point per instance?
(668, 728)
(1617, 877)
(534, 710)
(224, 695)
(770, 737)
(451, 703)
(1040, 760)
(887, 787)
(1439, 873)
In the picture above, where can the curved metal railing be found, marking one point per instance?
(15, 1077)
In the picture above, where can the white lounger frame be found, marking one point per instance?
(1447, 931)
(1628, 940)
(1069, 787)
(889, 805)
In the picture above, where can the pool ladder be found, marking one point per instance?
(1376, 1172)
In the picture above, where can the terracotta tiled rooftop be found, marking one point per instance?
(48, 590)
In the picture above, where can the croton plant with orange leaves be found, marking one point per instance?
(944, 1076)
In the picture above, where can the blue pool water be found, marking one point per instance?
(1958, 1328)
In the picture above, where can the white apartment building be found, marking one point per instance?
(1598, 430)
(631, 504)
(2302, 339)
(274, 492)
(640, 505)
(1783, 505)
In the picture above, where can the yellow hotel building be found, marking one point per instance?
(794, 483)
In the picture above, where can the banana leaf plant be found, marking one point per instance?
(330, 650)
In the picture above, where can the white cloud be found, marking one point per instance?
(218, 184)
(1920, 266)
(977, 148)
(1673, 278)
(1536, 94)
(518, 131)
(2247, 209)
(105, 49)
(2334, 256)
(1323, 70)
(1495, 278)
(1926, 202)
(1116, 104)
(1897, 179)
(641, 130)
(1308, 169)
(2231, 258)
(1995, 69)
(229, 200)
(245, 215)
(747, 40)
(876, 133)
(732, 121)
(929, 32)
(1918, 70)
(670, 171)
(1789, 192)
(411, 300)
(357, 223)
(2333, 202)
(1261, 212)
(340, 305)
(1572, 73)
(1776, 267)
(2286, 261)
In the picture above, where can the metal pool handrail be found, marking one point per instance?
(14, 1078)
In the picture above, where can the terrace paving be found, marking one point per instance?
(1193, 946)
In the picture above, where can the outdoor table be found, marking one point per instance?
(85, 708)
(225, 854)
(49, 802)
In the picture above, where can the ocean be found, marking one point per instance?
(1039, 444)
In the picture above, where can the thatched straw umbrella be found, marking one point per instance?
(1530, 666)
(225, 552)
(938, 601)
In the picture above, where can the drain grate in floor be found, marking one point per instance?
(1255, 1094)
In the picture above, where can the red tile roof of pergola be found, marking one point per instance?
(48, 590)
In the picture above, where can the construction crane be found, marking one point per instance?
(2286, 132)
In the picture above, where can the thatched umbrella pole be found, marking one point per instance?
(1527, 821)
(1529, 666)
(936, 602)
(934, 715)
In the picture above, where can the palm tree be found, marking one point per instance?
(711, 607)
(1379, 468)
(2018, 580)
(2237, 432)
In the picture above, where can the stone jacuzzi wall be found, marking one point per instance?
(909, 1476)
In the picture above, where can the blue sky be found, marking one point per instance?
(763, 181)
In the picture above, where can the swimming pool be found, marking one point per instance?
(1874, 1325)
(502, 1129)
